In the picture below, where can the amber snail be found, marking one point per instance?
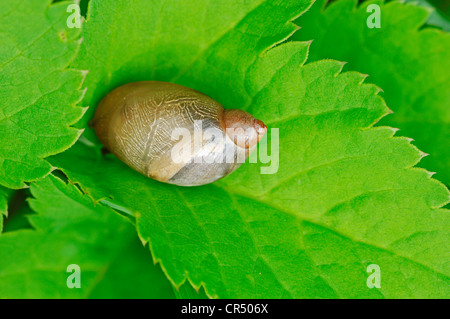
(136, 122)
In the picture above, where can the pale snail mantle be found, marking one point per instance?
(136, 121)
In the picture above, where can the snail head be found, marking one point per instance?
(243, 129)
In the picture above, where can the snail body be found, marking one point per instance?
(175, 134)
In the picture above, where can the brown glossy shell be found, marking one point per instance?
(135, 122)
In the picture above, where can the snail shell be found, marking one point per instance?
(136, 122)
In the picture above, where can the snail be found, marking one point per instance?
(175, 134)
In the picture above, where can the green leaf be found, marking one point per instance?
(37, 92)
(186, 291)
(409, 62)
(5, 195)
(69, 229)
(436, 18)
(18, 212)
(345, 196)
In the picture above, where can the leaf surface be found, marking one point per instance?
(345, 195)
(37, 92)
(69, 229)
(408, 61)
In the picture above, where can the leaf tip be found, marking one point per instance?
(430, 174)
(394, 130)
(389, 111)
(84, 73)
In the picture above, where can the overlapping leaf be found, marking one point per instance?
(5, 194)
(37, 93)
(345, 195)
(408, 62)
(69, 229)
(437, 17)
